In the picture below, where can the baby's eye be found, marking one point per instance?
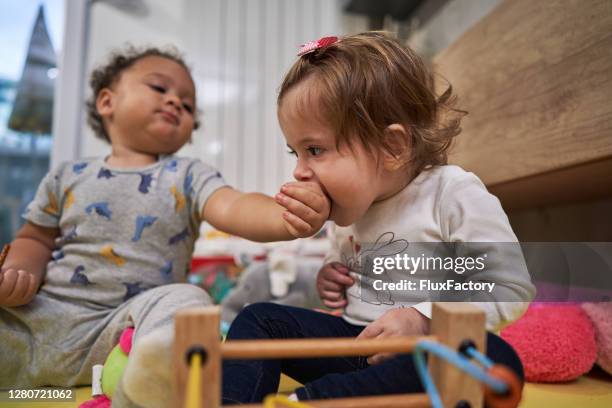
(188, 107)
(158, 88)
(292, 152)
(314, 151)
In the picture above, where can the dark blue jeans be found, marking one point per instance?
(246, 381)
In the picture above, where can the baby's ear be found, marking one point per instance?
(397, 138)
(104, 103)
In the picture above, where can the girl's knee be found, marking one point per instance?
(183, 294)
(250, 322)
(260, 309)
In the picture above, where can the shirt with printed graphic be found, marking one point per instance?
(122, 231)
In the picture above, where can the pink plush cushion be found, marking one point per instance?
(601, 316)
(555, 342)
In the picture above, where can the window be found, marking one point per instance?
(30, 33)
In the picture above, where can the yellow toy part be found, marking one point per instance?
(113, 369)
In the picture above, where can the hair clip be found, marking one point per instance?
(312, 46)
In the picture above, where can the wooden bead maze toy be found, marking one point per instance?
(199, 351)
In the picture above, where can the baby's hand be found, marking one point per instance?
(332, 281)
(17, 287)
(307, 208)
(394, 323)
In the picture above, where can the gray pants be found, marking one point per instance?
(54, 342)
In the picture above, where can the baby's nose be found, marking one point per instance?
(302, 173)
(173, 100)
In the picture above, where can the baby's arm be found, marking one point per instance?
(25, 265)
(334, 277)
(261, 218)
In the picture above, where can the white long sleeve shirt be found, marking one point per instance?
(442, 204)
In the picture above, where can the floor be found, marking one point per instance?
(593, 390)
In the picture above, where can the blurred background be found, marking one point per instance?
(238, 50)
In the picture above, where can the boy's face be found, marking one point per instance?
(150, 108)
(351, 178)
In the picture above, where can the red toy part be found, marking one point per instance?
(512, 398)
(101, 401)
(125, 341)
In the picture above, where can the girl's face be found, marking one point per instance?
(349, 176)
(150, 109)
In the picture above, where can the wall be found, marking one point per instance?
(437, 23)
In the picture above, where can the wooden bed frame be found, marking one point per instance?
(535, 79)
(452, 323)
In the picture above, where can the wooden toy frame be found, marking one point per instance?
(451, 324)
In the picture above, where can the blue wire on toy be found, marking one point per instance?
(457, 360)
(478, 356)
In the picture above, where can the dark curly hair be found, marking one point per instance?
(106, 75)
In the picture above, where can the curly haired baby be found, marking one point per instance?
(107, 241)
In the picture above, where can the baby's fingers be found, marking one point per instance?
(24, 289)
(31, 288)
(378, 332)
(333, 295)
(379, 358)
(7, 284)
(339, 278)
(372, 330)
(297, 209)
(297, 227)
(313, 199)
(338, 304)
(331, 285)
(21, 287)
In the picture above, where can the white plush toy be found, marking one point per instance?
(287, 280)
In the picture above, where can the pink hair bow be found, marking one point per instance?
(312, 46)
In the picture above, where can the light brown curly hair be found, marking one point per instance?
(369, 81)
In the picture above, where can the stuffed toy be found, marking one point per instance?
(294, 284)
(106, 378)
(561, 341)
(563, 333)
(111, 372)
(601, 315)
